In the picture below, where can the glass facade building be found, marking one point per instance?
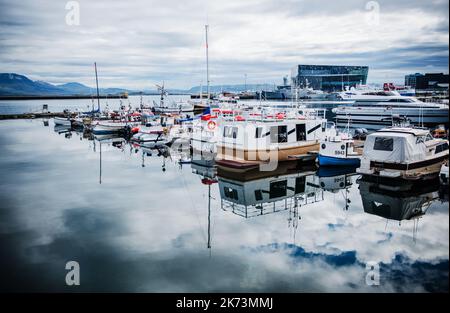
(410, 80)
(329, 77)
(432, 81)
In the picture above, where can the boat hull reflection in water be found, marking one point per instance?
(398, 202)
(252, 192)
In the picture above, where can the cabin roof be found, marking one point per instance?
(402, 131)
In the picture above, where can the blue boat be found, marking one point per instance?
(333, 161)
(339, 149)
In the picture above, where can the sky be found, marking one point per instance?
(140, 43)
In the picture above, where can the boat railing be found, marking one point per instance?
(252, 210)
(269, 115)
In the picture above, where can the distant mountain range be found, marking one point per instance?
(232, 88)
(12, 84)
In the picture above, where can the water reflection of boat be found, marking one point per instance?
(160, 151)
(403, 153)
(251, 194)
(395, 204)
(109, 138)
(180, 154)
(60, 129)
(204, 167)
(334, 179)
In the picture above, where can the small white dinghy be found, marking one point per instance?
(109, 127)
(65, 121)
(152, 138)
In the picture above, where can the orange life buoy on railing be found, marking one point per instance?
(211, 125)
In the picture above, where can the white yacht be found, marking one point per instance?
(391, 109)
(404, 153)
(366, 95)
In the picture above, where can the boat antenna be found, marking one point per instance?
(207, 63)
(96, 82)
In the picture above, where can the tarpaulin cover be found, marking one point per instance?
(394, 147)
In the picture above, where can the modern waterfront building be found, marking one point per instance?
(329, 77)
(432, 81)
(411, 79)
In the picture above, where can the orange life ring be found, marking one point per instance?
(211, 125)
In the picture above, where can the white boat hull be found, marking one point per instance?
(385, 116)
(108, 128)
(62, 121)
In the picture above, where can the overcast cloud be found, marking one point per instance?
(139, 43)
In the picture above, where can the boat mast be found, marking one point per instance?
(100, 167)
(209, 218)
(207, 63)
(96, 82)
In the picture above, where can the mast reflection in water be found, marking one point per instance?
(158, 223)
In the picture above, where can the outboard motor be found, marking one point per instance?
(360, 134)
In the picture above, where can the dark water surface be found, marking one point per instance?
(143, 229)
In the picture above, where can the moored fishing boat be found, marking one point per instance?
(339, 149)
(403, 153)
(261, 138)
(205, 132)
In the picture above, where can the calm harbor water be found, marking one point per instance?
(136, 220)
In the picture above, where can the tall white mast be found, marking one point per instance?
(207, 64)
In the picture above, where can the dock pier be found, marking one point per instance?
(35, 115)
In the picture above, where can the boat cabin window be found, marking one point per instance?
(383, 144)
(258, 133)
(300, 184)
(441, 147)
(278, 134)
(230, 132)
(399, 100)
(230, 193)
(258, 195)
(278, 189)
(301, 132)
(429, 137)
